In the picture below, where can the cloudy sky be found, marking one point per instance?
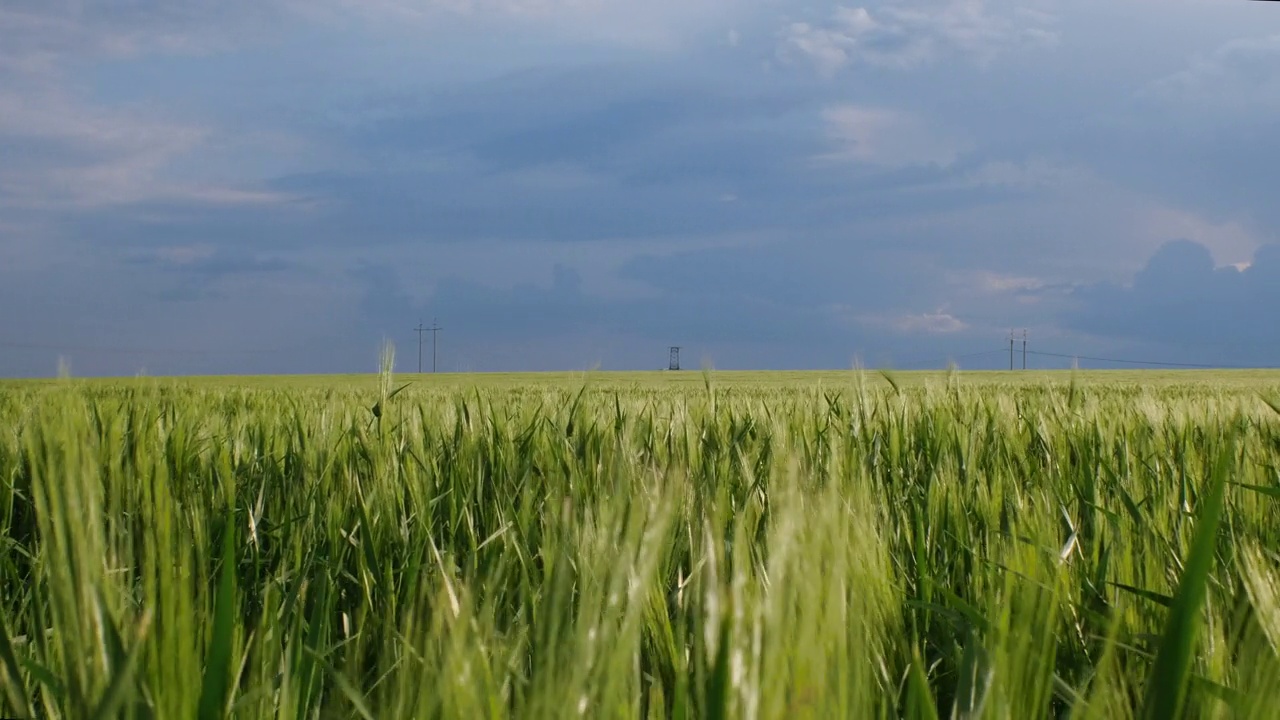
(262, 186)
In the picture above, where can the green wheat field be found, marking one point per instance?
(651, 545)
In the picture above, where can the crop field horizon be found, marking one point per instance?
(851, 544)
(694, 378)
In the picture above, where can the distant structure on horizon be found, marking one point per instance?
(674, 363)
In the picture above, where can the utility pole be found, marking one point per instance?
(1024, 348)
(433, 330)
(1011, 349)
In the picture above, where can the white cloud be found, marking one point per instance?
(97, 155)
(940, 322)
(995, 283)
(654, 25)
(92, 27)
(885, 137)
(184, 254)
(38, 34)
(89, 155)
(71, 150)
(903, 35)
(1034, 173)
(1230, 242)
(930, 323)
(1237, 77)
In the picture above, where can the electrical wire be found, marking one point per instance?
(279, 351)
(1134, 362)
(1122, 361)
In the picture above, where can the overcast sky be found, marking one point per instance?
(262, 186)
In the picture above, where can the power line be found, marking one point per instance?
(421, 329)
(1123, 361)
(435, 328)
(1024, 348)
(1135, 362)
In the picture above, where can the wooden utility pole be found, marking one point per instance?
(433, 330)
(420, 329)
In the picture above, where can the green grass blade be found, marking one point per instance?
(399, 390)
(975, 680)
(1262, 489)
(718, 686)
(920, 702)
(892, 379)
(14, 689)
(116, 691)
(45, 676)
(1168, 681)
(1155, 597)
(345, 687)
(1271, 404)
(218, 659)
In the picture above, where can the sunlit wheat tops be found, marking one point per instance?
(862, 549)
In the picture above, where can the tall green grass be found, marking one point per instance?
(556, 551)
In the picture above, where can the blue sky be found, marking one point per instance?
(278, 185)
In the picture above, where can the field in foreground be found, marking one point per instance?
(850, 548)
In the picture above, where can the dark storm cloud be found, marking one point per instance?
(1170, 146)
(85, 27)
(783, 184)
(478, 314)
(530, 310)
(642, 162)
(1181, 300)
(191, 274)
(797, 275)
